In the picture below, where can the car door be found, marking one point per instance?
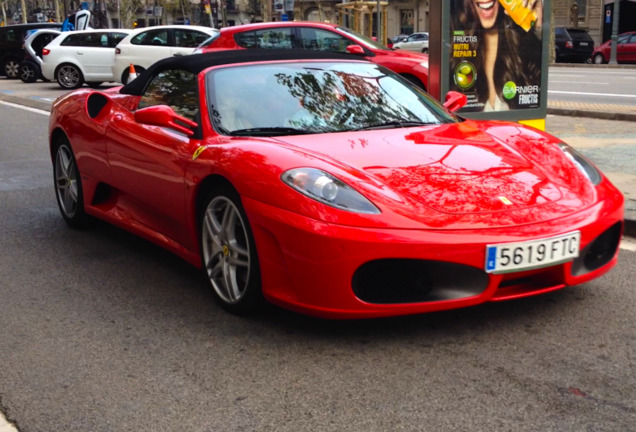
(626, 48)
(95, 55)
(186, 41)
(151, 46)
(148, 162)
(414, 42)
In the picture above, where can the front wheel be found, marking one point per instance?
(69, 77)
(598, 59)
(68, 185)
(228, 251)
(424, 50)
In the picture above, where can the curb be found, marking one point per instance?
(593, 114)
(31, 103)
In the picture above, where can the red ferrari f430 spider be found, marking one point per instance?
(331, 186)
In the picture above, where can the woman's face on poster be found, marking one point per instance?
(487, 11)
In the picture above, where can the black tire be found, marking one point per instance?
(598, 59)
(228, 251)
(68, 185)
(124, 75)
(68, 76)
(11, 68)
(28, 72)
(94, 84)
(424, 50)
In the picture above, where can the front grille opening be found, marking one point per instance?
(390, 281)
(599, 252)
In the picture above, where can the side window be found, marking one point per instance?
(323, 40)
(73, 40)
(268, 38)
(12, 36)
(151, 37)
(116, 38)
(175, 88)
(189, 38)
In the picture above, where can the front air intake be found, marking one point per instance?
(390, 281)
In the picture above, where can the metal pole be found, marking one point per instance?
(616, 14)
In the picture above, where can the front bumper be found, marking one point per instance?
(318, 268)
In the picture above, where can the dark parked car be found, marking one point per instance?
(12, 45)
(625, 49)
(572, 45)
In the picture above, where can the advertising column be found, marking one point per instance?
(494, 52)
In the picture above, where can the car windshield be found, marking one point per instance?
(315, 97)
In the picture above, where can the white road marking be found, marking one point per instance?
(591, 94)
(628, 244)
(35, 110)
(577, 82)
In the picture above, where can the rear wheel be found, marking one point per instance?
(69, 76)
(228, 251)
(68, 185)
(28, 72)
(11, 68)
(425, 50)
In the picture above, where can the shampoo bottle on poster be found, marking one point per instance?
(523, 16)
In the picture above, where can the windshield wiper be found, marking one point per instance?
(394, 124)
(269, 131)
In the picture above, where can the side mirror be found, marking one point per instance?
(163, 115)
(355, 49)
(455, 100)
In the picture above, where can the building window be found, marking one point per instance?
(406, 21)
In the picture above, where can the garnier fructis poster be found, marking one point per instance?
(495, 53)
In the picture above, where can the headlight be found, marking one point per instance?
(327, 189)
(582, 163)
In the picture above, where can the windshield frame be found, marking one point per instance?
(377, 99)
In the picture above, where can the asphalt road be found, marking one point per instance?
(591, 84)
(101, 331)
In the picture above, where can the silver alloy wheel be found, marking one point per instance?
(66, 181)
(69, 77)
(598, 59)
(226, 249)
(27, 73)
(11, 68)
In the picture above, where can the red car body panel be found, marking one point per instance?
(625, 52)
(402, 62)
(434, 185)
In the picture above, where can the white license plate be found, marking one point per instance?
(583, 43)
(506, 257)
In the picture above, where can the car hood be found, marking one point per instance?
(461, 169)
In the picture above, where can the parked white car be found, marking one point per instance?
(417, 42)
(78, 57)
(146, 46)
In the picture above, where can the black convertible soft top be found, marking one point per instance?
(195, 63)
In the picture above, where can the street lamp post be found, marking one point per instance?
(614, 31)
